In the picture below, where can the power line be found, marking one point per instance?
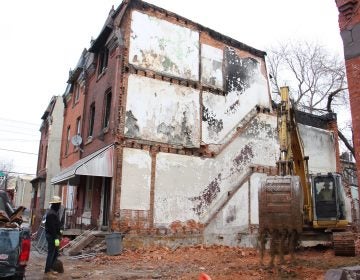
(15, 151)
(19, 121)
(13, 172)
(18, 132)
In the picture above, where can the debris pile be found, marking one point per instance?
(11, 220)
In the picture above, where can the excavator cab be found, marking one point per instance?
(328, 201)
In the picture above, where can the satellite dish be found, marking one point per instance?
(76, 140)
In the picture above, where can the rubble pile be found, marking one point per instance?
(222, 262)
(11, 220)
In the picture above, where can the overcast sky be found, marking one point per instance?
(42, 39)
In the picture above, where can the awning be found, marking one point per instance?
(99, 163)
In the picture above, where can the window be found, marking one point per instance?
(103, 60)
(45, 156)
(78, 126)
(77, 93)
(107, 107)
(67, 140)
(91, 120)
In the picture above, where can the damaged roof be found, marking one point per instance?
(126, 4)
(314, 120)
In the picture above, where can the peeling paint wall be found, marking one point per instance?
(319, 145)
(187, 187)
(163, 112)
(246, 87)
(211, 66)
(255, 183)
(164, 47)
(136, 174)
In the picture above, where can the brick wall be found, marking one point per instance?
(349, 23)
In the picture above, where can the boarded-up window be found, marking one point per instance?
(67, 140)
(107, 108)
(91, 120)
(103, 60)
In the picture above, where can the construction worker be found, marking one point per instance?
(326, 193)
(52, 230)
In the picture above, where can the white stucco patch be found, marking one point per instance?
(163, 112)
(135, 181)
(319, 145)
(165, 47)
(255, 183)
(212, 66)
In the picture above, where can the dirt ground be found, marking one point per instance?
(219, 262)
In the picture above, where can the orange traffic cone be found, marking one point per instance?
(204, 276)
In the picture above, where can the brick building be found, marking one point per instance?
(176, 131)
(349, 23)
(48, 160)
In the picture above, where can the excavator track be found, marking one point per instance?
(344, 244)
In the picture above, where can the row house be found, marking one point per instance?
(168, 131)
(48, 164)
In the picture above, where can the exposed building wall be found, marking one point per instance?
(23, 192)
(135, 189)
(171, 114)
(319, 146)
(53, 151)
(189, 190)
(164, 47)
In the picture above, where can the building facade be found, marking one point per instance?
(48, 160)
(177, 131)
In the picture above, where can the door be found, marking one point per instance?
(106, 201)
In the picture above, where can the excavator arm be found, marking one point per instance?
(292, 161)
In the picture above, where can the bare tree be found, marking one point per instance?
(5, 169)
(316, 78)
(5, 166)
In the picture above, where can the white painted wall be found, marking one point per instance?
(163, 112)
(53, 152)
(135, 181)
(212, 66)
(224, 113)
(188, 187)
(165, 47)
(319, 145)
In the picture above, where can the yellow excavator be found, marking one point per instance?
(297, 206)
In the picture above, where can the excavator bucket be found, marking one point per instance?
(281, 204)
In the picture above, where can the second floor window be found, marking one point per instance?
(78, 126)
(76, 93)
(103, 59)
(107, 108)
(91, 120)
(67, 141)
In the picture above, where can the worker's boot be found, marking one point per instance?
(49, 275)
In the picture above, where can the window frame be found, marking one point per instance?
(107, 109)
(103, 58)
(67, 144)
(91, 120)
(78, 126)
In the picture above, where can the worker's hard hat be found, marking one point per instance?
(55, 199)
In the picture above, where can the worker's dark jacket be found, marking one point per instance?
(52, 224)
